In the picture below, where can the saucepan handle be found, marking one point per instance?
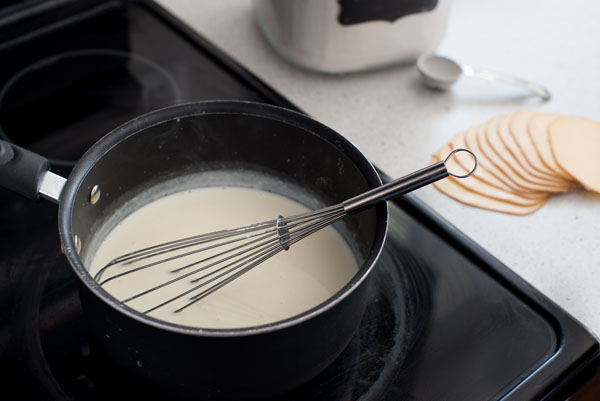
(28, 173)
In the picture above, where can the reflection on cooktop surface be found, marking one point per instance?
(98, 71)
(77, 91)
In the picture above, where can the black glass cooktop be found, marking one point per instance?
(446, 320)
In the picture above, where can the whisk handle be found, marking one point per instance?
(405, 184)
(396, 188)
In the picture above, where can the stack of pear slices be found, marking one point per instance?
(523, 158)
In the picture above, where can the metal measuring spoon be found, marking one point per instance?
(442, 72)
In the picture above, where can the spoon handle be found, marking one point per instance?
(532, 87)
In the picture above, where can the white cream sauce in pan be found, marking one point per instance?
(289, 283)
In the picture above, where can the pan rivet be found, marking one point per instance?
(95, 194)
(77, 243)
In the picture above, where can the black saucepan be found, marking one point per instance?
(246, 363)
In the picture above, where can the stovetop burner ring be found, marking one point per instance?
(155, 87)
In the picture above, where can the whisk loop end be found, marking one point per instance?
(210, 261)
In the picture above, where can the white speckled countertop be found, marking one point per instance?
(398, 123)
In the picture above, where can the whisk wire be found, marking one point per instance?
(196, 239)
(175, 247)
(203, 268)
(265, 250)
(273, 250)
(294, 237)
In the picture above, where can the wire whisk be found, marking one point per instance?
(220, 257)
